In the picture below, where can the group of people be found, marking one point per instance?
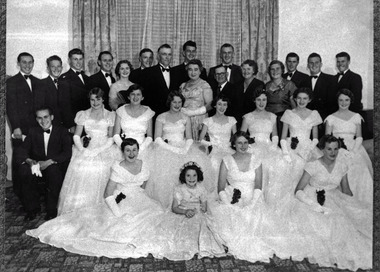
(170, 162)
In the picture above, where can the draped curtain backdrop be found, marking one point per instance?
(125, 27)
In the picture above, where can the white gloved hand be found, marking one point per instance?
(188, 144)
(274, 144)
(114, 207)
(117, 139)
(358, 143)
(300, 194)
(148, 140)
(36, 170)
(285, 151)
(78, 142)
(169, 147)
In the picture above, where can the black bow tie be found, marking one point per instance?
(341, 74)
(27, 76)
(55, 81)
(289, 75)
(163, 69)
(107, 75)
(47, 131)
(79, 73)
(314, 76)
(228, 66)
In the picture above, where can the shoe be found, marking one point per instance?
(31, 215)
(50, 215)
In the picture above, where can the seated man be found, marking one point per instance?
(45, 153)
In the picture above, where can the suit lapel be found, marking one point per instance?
(161, 76)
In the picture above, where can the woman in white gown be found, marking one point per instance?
(198, 95)
(219, 128)
(173, 147)
(121, 227)
(123, 70)
(346, 125)
(329, 216)
(298, 148)
(89, 169)
(262, 127)
(134, 120)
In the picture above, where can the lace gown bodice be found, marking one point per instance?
(96, 129)
(244, 181)
(344, 129)
(194, 94)
(190, 198)
(220, 134)
(126, 181)
(260, 128)
(173, 132)
(135, 127)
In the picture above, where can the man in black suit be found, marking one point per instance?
(233, 71)
(24, 93)
(159, 80)
(323, 87)
(45, 154)
(292, 61)
(346, 79)
(76, 80)
(57, 93)
(226, 88)
(103, 79)
(146, 60)
(189, 52)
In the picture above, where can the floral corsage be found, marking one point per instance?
(294, 142)
(236, 196)
(321, 197)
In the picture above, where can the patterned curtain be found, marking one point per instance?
(125, 27)
(94, 27)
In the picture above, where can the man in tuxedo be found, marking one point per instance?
(233, 71)
(292, 61)
(323, 87)
(189, 52)
(57, 93)
(226, 88)
(45, 154)
(346, 79)
(77, 81)
(159, 80)
(103, 79)
(146, 60)
(24, 93)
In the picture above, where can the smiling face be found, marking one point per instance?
(331, 150)
(221, 106)
(193, 71)
(55, 68)
(76, 62)
(344, 101)
(190, 53)
(220, 75)
(106, 63)
(302, 100)
(247, 71)
(124, 70)
(275, 71)
(314, 64)
(291, 64)
(241, 144)
(165, 56)
(146, 59)
(176, 104)
(136, 97)
(131, 152)
(96, 102)
(342, 63)
(261, 102)
(44, 119)
(227, 55)
(26, 64)
(191, 178)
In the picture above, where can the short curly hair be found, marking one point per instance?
(345, 92)
(190, 166)
(326, 139)
(304, 90)
(237, 135)
(129, 141)
(171, 96)
(222, 97)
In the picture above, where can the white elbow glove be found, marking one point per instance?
(198, 111)
(358, 143)
(117, 140)
(188, 144)
(78, 142)
(205, 143)
(274, 143)
(285, 151)
(148, 140)
(96, 151)
(300, 194)
(256, 195)
(114, 207)
(167, 146)
(313, 143)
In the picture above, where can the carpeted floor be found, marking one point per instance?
(24, 253)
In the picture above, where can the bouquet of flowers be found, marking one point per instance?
(321, 197)
(113, 203)
(294, 142)
(86, 141)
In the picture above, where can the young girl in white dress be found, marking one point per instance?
(301, 123)
(173, 147)
(337, 229)
(134, 120)
(346, 125)
(89, 169)
(219, 128)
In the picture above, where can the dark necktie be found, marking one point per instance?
(27, 76)
(107, 75)
(47, 131)
(314, 77)
(163, 69)
(218, 90)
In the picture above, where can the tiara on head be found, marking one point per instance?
(190, 163)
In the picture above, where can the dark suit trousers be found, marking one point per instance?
(16, 144)
(53, 177)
